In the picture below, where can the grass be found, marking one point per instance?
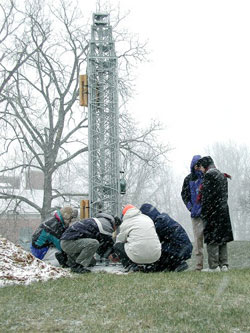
(162, 302)
(238, 254)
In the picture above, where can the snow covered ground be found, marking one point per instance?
(113, 269)
(18, 266)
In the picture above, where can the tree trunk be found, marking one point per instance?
(47, 196)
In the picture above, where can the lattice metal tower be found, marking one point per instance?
(103, 114)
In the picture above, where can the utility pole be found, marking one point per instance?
(103, 119)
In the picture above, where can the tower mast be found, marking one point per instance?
(103, 115)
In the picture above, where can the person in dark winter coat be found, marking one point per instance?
(86, 237)
(215, 214)
(190, 190)
(46, 239)
(176, 245)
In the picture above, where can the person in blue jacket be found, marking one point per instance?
(46, 239)
(176, 245)
(189, 194)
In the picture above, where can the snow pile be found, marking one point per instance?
(18, 266)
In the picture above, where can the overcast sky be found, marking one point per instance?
(198, 80)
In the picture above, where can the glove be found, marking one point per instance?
(118, 221)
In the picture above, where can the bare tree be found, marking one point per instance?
(15, 48)
(147, 180)
(38, 112)
(42, 127)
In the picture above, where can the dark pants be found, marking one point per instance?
(172, 257)
(121, 253)
(217, 255)
(80, 251)
(167, 262)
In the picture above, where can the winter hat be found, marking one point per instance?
(67, 214)
(205, 161)
(126, 208)
(150, 211)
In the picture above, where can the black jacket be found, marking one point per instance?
(215, 210)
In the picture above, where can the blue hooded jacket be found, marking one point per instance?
(173, 237)
(190, 188)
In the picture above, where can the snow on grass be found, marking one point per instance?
(113, 269)
(18, 266)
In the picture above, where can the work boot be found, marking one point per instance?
(77, 268)
(147, 268)
(132, 268)
(92, 263)
(61, 258)
(182, 267)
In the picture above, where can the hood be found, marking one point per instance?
(106, 217)
(59, 217)
(194, 161)
(150, 211)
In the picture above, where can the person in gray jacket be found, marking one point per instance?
(86, 237)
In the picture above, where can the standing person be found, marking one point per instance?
(190, 190)
(46, 239)
(86, 237)
(137, 242)
(176, 245)
(215, 215)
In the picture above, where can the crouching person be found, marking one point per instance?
(176, 245)
(137, 243)
(86, 237)
(46, 239)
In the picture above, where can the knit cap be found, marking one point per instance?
(205, 161)
(126, 208)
